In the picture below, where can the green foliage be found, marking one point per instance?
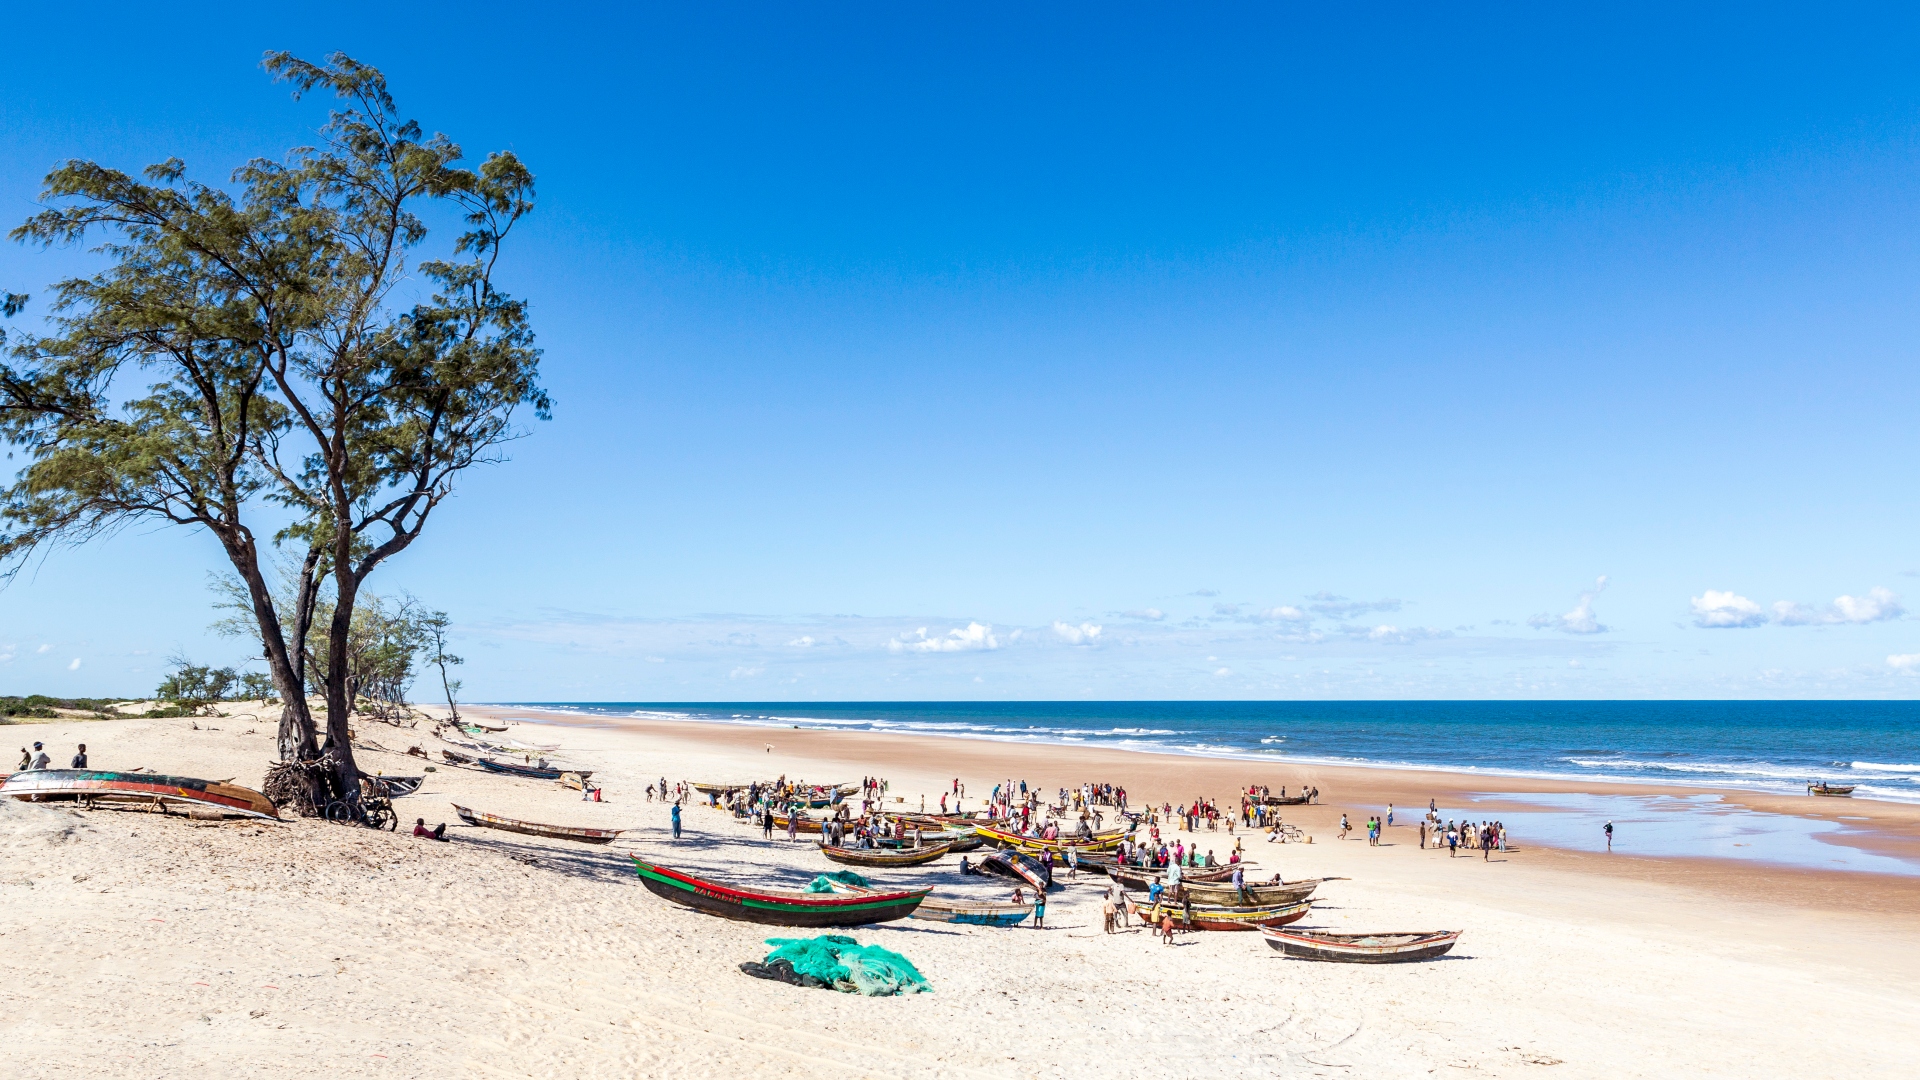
(246, 343)
(40, 706)
(193, 687)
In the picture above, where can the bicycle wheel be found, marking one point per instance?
(381, 817)
(339, 811)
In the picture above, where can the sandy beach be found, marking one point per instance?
(135, 944)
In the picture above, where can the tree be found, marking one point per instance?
(192, 687)
(434, 625)
(290, 380)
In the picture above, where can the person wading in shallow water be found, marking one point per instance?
(1609, 831)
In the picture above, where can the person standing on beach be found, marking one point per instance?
(1609, 829)
(80, 759)
(675, 814)
(766, 819)
(1389, 813)
(1453, 842)
(1344, 827)
(40, 758)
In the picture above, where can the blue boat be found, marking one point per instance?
(949, 911)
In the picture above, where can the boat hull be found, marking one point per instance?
(529, 771)
(1219, 917)
(973, 914)
(770, 908)
(534, 828)
(1140, 879)
(91, 784)
(883, 859)
(1018, 867)
(1362, 948)
(1213, 892)
(1031, 845)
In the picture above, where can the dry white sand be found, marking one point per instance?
(140, 945)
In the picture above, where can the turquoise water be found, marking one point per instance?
(1756, 745)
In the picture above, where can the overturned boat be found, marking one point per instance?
(90, 786)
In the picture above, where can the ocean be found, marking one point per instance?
(1756, 745)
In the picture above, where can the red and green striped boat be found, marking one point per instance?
(777, 907)
(153, 789)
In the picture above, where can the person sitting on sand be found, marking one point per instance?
(438, 832)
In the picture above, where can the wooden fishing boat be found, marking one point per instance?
(777, 907)
(883, 858)
(396, 786)
(1033, 845)
(530, 828)
(91, 786)
(1018, 867)
(1141, 878)
(1224, 916)
(1361, 948)
(531, 772)
(1284, 800)
(1223, 892)
(475, 727)
(963, 912)
(718, 790)
(456, 759)
(1824, 788)
(805, 824)
(972, 914)
(956, 842)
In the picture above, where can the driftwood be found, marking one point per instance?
(305, 787)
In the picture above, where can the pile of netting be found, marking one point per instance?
(825, 882)
(838, 962)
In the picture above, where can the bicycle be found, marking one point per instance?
(367, 807)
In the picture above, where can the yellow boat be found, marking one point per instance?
(1033, 845)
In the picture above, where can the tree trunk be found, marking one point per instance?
(297, 740)
(339, 695)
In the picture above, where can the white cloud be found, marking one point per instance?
(1204, 592)
(44, 649)
(1085, 634)
(656, 659)
(1879, 605)
(1283, 613)
(1152, 614)
(805, 642)
(1339, 607)
(1226, 609)
(1393, 635)
(1725, 610)
(1580, 620)
(1221, 673)
(974, 636)
(1908, 662)
(744, 672)
(75, 666)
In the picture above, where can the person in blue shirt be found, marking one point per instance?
(676, 821)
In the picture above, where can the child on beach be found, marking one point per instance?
(1345, 828)
(1166, 927)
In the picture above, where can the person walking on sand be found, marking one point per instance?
(1345, 828)
(1609, 829)
(1389, 813)
(793, 824)
(676, 821)
(1166, 927)
(1453, 842)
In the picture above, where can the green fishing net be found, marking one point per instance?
(825, 882)
(838, 962)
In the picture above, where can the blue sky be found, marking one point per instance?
(1302, 354)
